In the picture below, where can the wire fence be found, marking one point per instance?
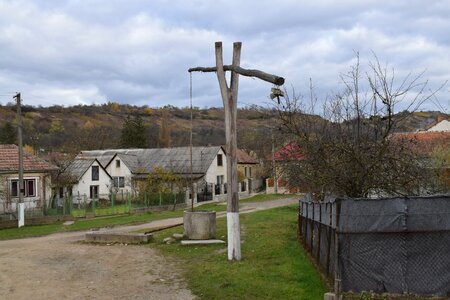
(80, 206)
(392, 245)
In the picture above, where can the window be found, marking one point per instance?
(248, 172)
(219, 160)
(220, 179)
(117, 163)
(95, 173)
(119, 182)
(93, 192)
(29, 188)
(15, 188)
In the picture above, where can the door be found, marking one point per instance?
(93, 192)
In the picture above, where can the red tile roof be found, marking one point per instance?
(244, 158)
(425, 141)
(9, 161)
(291, 151)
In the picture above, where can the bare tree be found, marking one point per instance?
(349, 151)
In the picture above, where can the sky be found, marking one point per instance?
(58, 52)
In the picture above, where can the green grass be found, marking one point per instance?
(222, 206)
(40, 230)
(268, 197)
(273, 264)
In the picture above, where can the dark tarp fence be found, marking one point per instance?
(390, 245)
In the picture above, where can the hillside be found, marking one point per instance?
(97, 127)
(82, 127)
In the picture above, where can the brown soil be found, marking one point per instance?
(60, 267)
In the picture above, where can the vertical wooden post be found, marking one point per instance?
(20, 205)
(229, 97)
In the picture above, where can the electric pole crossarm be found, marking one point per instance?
(277, 80)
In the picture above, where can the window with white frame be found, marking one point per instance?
(29, 186)
(119, 181)
(95, 173)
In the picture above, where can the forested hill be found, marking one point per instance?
(71, 129)
(85, 127)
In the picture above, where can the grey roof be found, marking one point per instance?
(79, 166)
(141, 161)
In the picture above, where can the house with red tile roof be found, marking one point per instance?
(37, 180)
(431, 145)
(290, 152)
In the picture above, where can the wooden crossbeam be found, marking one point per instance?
(277, 80)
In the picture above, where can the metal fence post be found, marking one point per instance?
(337, 275)
(306, 224)
(70, 204)
(312, 230)
(44, 207)
(64, 205)
(319, 232)
(299, 221)
(329, 232)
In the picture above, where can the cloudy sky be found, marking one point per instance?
(138, 52)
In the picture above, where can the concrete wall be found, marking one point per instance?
(83, 185)
(35, 221)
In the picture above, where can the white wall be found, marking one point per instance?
(83, 185)
(214, 170)
(122, 171)
(43, 191)
(443, 125)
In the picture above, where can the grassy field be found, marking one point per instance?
(40, 230)
(273, 265)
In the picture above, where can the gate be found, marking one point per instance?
(205, 192)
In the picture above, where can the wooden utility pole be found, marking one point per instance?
(229, 97)
(21, 187)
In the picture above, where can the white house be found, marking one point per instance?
(119, 167)
(127, 166)
(90, 180)
(440, 126)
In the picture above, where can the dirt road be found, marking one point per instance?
(59, 266)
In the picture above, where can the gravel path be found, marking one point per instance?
(58, 266)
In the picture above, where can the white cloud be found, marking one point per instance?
(139, 51)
